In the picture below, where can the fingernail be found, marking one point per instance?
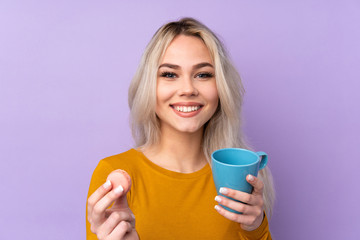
(251, 178)
(119, 189)
(223, 191)
(217, 207)
(107, 184)
(218, 199)
(133, 216)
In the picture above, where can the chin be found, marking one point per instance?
(189, 129)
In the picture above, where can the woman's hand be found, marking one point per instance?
(252, 212)
(118, 222)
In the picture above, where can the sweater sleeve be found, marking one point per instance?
(98, 178)
(261, 233)
(103, 169)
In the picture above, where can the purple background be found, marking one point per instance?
(65, 67)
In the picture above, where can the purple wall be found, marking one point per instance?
(64, 72)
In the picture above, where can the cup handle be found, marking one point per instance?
(263, 160)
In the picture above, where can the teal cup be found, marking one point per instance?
(230, 166)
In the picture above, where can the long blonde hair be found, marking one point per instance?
(224, 128)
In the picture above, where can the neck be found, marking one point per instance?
(178, 151)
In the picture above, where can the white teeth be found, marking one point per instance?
(187, 109)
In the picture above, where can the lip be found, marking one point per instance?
(186, 114)
(187, 104)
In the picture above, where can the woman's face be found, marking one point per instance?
(186, 94)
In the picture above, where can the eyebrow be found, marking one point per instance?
(197, 66)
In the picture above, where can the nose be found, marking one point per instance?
(187, 87)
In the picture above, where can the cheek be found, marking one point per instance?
(215, 96)
(160, 94)
(163, 94)
(212, 95)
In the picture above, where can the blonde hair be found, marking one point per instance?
(223, 130)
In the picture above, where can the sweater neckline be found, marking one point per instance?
(205, 170)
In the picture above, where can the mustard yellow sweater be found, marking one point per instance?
(171, 205)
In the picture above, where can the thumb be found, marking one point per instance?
(121, 202)
(121, 181)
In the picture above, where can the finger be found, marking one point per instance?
(121, 202)
(237, 206)
(98, 212)
(238, 195)
(132, 220)
(97, 195)
(120, 231)
(111, 222)
(239, 218)
(128, 211)
(256, 183)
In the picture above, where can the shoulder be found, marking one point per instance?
(127, 161)
(123, 160)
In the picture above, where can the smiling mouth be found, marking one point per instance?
(186, 109)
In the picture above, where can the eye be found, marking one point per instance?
(205, 75)
(168, 75)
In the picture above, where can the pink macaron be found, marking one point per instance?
(120, 177)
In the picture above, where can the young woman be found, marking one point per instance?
(185, 102)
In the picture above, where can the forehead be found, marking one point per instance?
(188, 49)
